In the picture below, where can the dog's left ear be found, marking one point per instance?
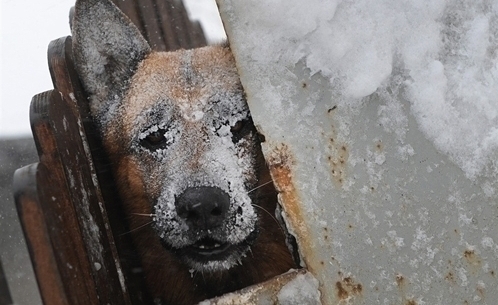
(107, 49)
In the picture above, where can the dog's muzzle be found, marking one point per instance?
(203, 208)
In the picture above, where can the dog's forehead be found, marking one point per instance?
(188, 79)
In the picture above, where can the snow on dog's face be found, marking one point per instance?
(193, 142)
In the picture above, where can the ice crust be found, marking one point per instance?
(440, 56)
(301, 290)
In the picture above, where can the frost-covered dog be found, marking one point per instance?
(185, 155)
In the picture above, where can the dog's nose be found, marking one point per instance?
(203, 207)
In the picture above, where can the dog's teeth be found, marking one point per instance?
(202, 247)
(216, 245)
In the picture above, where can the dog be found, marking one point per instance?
(186, 158)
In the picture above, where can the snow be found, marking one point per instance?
(441, 56)
(301, 290)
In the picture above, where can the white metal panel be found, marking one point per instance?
(380, 215)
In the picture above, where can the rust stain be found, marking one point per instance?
(473, 261)
(338, 154)
(400, 279)
(347, 287)
(450, 277)
(337, 160)
(379, 146)
(471, 256)
(280, 162)
(481, 292)
(402, 282)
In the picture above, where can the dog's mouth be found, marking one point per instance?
(211, 255)
(208, 248)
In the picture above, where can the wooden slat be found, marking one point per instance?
(152, 26)
(168, 25)
(49, 218)
(121, 250)
(198, 38)
(38, 237)
(81, 175)
(164, 23)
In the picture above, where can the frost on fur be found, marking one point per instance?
(181, 132)
(107, 49)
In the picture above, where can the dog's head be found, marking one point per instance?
(179, 131)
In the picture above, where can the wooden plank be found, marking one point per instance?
(69, 132)
(192, 31)
(152, 26)
(120, 244)
(49, 219)
(37, 235)
(168, 25)
(181, 23)
(198, 38)
(164, 23)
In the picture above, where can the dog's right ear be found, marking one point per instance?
(107, 49)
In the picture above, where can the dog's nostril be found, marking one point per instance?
(192, 215)
(216, 212)
(203, 207)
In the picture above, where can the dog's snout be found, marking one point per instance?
(203, 207)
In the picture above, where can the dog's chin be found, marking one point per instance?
(209, 255)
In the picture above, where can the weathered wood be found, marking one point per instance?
(78, 237)
(38, 236)
(49, 219)
(152, 27)
(164, 23)
(81, 175)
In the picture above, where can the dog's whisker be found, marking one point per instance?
(273, 217)
(142, 214)
(138, 228)
(259, 186)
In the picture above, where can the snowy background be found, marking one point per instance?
(27, 27)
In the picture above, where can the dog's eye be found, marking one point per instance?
(156, 137)
(240, 129)
(237, 127)
(154, 140)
